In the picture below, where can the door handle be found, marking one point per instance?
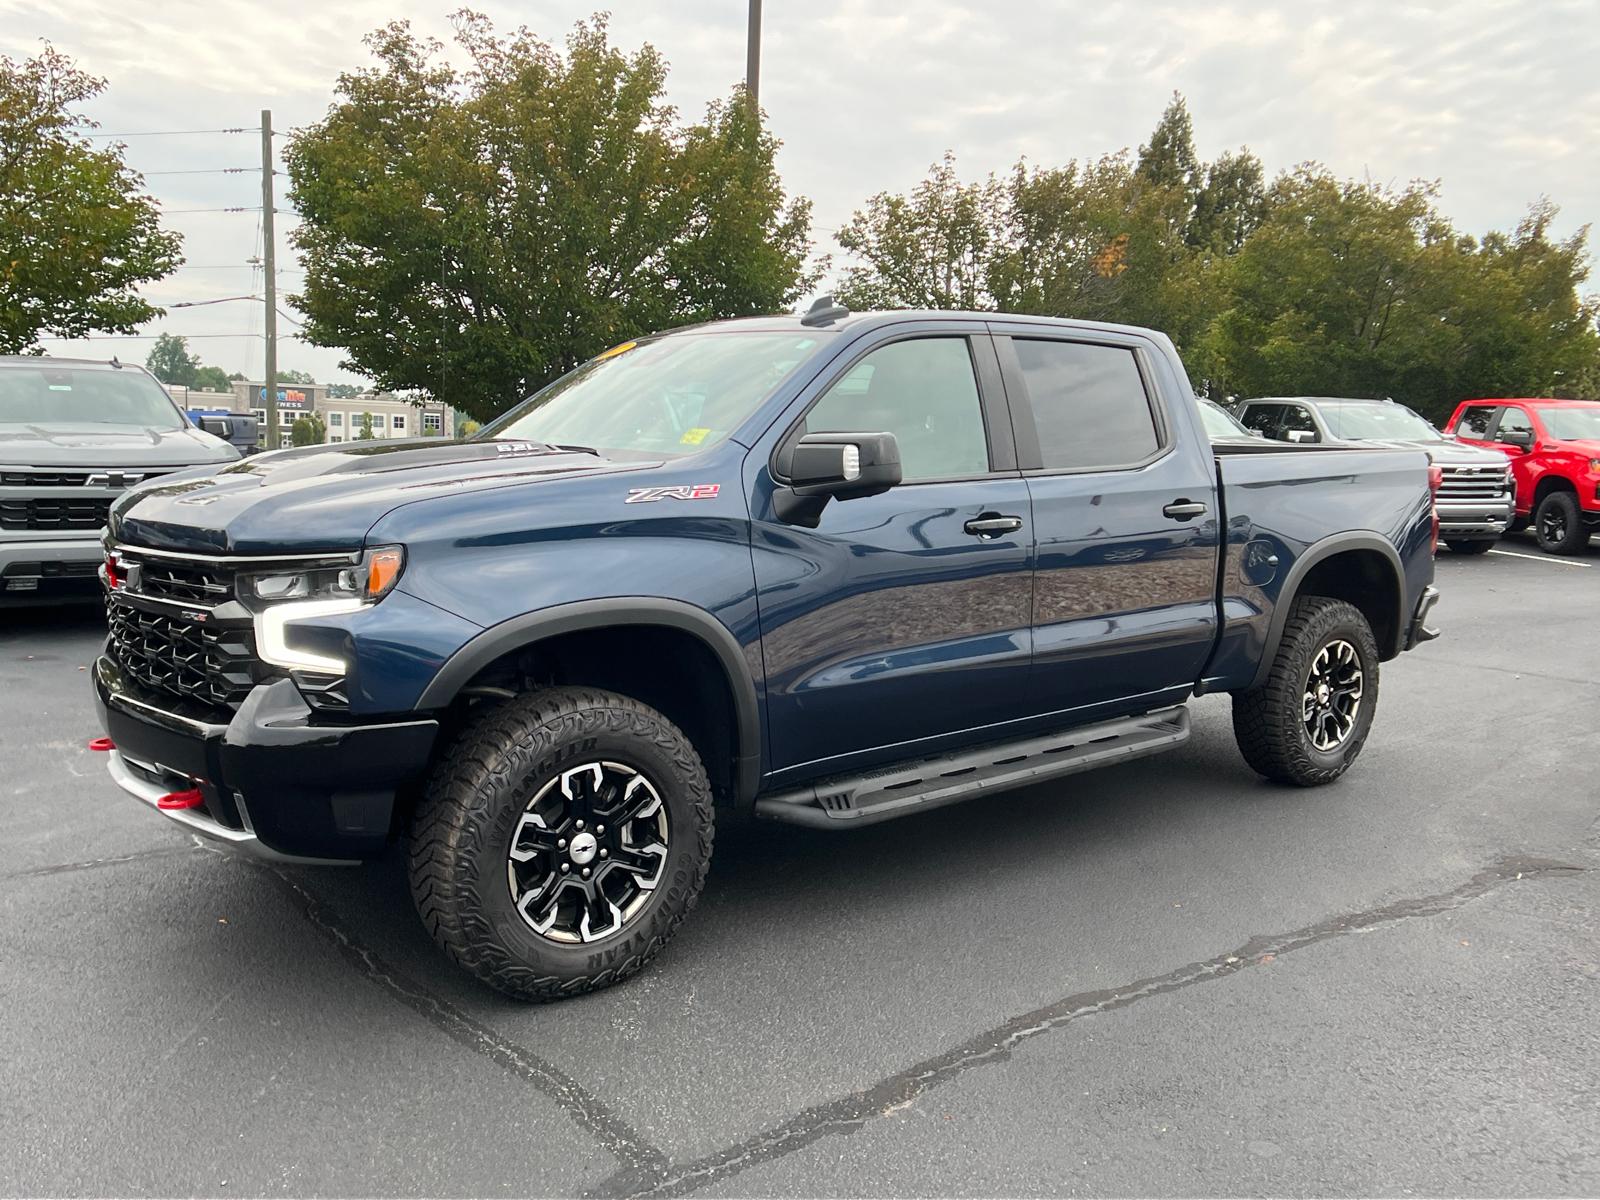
(1183, 510)
(992, 525)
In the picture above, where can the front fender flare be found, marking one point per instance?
(522, 630)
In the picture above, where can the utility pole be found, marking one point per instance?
(752, 58)
(269, 264)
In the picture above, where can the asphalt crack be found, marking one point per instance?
(850, 1113)
(643, 1164)
(91, 864)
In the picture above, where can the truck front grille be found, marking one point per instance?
(1474, 483)
(54, 513)
(201, 583)
(182, 657)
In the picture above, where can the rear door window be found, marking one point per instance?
(1090, 407)
(1475, 422)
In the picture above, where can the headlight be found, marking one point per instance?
(1594, 465)
(285, 596)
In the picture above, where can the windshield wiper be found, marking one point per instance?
(576, 449)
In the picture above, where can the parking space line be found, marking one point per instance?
(849, 1113)
(1554, 562)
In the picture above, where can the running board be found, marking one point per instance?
(849, 801)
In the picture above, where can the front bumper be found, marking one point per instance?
(1485, 520)
(275, 784)
(50, 570)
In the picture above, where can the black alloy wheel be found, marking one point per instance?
(1331, 699)
(1559, 526)
(587, 852)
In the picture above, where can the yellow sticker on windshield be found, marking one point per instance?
(693, 437)
(615, 350)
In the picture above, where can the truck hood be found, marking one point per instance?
(327, 497)
(101, 445)
(1449, 453)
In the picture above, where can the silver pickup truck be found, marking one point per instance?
(73, 435)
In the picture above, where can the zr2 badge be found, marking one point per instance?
(649, 495)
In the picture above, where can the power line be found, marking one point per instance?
(208, 171)
(176, 132)
(203, 303)
(150, 337)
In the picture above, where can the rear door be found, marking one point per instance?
(1125, 517)
(900, 620)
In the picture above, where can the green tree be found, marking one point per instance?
(365, 432)
(214, 378)
(310, 431)
(474, 235)
(77, 234)
(932, 249)
(295, 377)
(344, 391)
(171, 362)
(467, 429)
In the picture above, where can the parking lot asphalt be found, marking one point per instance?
(1164, 978)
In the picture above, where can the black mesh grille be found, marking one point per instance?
(184, 658)
(53, 514)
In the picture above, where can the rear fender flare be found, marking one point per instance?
(1339, 543)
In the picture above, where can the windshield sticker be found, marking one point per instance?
(649, 495)
(693, 437)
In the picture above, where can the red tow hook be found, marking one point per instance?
(102, 744)
(174, 800)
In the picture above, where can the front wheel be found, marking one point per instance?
(1559, 524)
(561, 842)
(1309, 721)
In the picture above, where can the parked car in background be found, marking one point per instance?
(831, 569)
(1222, 426)
(73, 436)
(1477, 492)
(1554, 447)
(242, 431)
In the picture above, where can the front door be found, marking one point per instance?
(898, 622)
(1125, 518)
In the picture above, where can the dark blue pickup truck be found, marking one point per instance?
(834, 568)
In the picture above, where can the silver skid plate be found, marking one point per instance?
(857, 800)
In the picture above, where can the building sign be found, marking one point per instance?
(286, 398)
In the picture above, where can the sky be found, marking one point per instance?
(1498, 101)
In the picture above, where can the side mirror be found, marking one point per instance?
(222, 427)
(1522, 439)
(844, 466)
(1299, 436)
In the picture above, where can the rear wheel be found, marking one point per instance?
(1558, 524)
(1469, 546)
(1309, 721)
(561, 842)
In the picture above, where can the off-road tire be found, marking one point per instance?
(1558, 524)
(1470, 545)
(463, 829)
(1267, 721)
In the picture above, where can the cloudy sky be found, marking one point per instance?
(1498, 100)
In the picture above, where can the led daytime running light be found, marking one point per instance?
(272, 634)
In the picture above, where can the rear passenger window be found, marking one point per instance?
(1089, 404)
(1474, 422)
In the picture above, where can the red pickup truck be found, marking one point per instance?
(1554, 446)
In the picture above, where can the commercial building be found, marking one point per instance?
(374, 415)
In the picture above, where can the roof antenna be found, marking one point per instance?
(115, 363)
(824, 311)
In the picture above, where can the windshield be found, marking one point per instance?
(1377, 422)
(1220, 423)
(1572, 424)
(48, 395)
(674, 396)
